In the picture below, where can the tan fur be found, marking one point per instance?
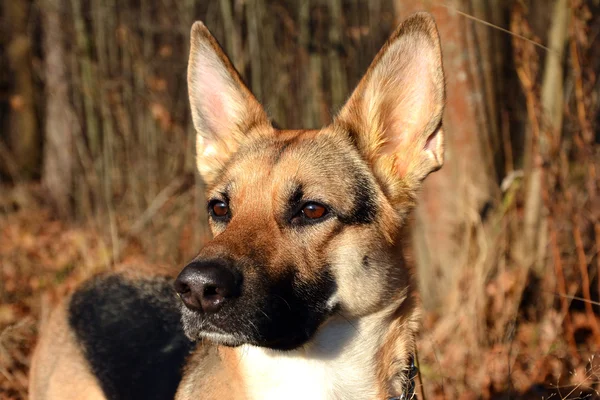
(58, 368)
(212, 373)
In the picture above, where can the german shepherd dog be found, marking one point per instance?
(306, 290)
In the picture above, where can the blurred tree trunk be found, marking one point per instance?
(454, 200)
(58, 151)
(552, 97)
(23, 137)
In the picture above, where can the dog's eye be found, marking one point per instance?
(313, 211)
(310, 212)
(218, 208)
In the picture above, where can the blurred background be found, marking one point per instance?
(97, 165)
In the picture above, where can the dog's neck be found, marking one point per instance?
(362, 358)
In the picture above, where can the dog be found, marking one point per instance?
(307, 289)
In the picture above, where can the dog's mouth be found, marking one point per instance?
(222, 338)
(198, 326)
(273, 329)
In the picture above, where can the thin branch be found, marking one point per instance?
(501, 29)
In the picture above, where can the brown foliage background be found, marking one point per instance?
(97, 165)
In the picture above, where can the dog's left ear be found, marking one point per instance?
(223, 108)
(395, 113)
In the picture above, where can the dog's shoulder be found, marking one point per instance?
(125, 327)
(130, 333)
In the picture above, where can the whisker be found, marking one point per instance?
(253, 326)
(264, 313)
(349, 322)
(285, 301)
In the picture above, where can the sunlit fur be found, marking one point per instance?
(366, 168)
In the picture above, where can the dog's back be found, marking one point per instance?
(116, 337)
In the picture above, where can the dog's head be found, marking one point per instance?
(306, 223)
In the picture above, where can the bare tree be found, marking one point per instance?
(23, 136)
(59, 130)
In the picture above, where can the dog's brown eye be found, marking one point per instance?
(219, 208)
(313, 211)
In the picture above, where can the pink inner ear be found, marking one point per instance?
(410, 111)
(432, 142)
(214, 89)
(408, 101)
(214, 110)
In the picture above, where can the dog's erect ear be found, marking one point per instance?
(395, 112)
(223, 109)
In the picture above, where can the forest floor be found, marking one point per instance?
(41, 257)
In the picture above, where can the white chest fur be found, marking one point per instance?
(338, 364)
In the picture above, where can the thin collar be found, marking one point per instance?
(409, 391)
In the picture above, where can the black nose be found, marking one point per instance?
(207, 285)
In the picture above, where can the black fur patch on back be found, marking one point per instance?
(131, 334)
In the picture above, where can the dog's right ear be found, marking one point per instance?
(223, 108)
(395, 113)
